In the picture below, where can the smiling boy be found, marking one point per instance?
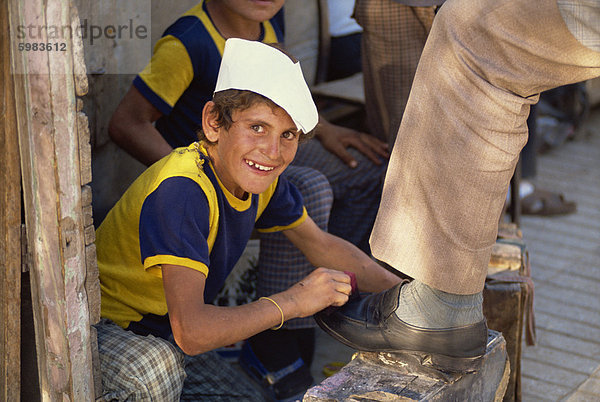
(167, 246)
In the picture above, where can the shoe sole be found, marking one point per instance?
(436, 360)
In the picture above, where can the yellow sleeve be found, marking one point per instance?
(153, 265)
(170, 71)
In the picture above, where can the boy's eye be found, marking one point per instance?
(258, 128)
(288, 135)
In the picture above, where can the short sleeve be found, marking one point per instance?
(174, 225)
(285, 209)
(167, 75)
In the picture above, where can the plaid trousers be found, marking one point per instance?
(146, 368)
(356, 191)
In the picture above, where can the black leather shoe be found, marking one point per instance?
(370, 324)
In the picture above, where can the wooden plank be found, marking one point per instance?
(85, 149)
(407, 376)
(67, 71)
(505, 257)
(91, 280)
(10, 227)
(86, 196)
(92, 283)
(346, 89)
(79, 69)
(49, 148)
(89, 235)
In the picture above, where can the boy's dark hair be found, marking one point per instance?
(226, 102)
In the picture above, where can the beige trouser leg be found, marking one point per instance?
(484, 64)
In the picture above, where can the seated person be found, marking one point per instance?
(344, 53)
(167, 246)
(171, 92)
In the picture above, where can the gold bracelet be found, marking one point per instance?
(278, 308)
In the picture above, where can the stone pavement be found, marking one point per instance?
(565, 266)
(565, 261)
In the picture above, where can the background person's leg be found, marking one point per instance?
(211, 378)
(356, 191)
(392, 41)
(484, 63)
(536, 201)
(583, 21)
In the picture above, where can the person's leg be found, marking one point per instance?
(356, 191)
(138, 367)
(465, 123)
(393, 38)
(583, 21)
(211, 378)
(534, 200)
(484, 64)
(278, 361)
(529, 151)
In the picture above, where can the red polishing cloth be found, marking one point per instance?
(353, 295)
(352, 282)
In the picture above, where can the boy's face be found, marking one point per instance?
(255, 10)
(259, 145)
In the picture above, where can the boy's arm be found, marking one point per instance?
(131, 128)
(326, 250)
(199, 327)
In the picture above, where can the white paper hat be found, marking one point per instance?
(263, 69)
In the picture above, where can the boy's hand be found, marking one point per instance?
(322, 288)
(336, 139)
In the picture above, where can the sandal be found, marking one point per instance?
(545, 203)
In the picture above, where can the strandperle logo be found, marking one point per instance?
(116, 37)
(87, 31)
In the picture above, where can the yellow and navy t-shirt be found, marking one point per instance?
(182, 74)
(178, 212)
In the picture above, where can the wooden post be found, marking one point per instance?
(49, 145)
(10, 227)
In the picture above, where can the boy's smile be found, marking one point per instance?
(259, 145)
